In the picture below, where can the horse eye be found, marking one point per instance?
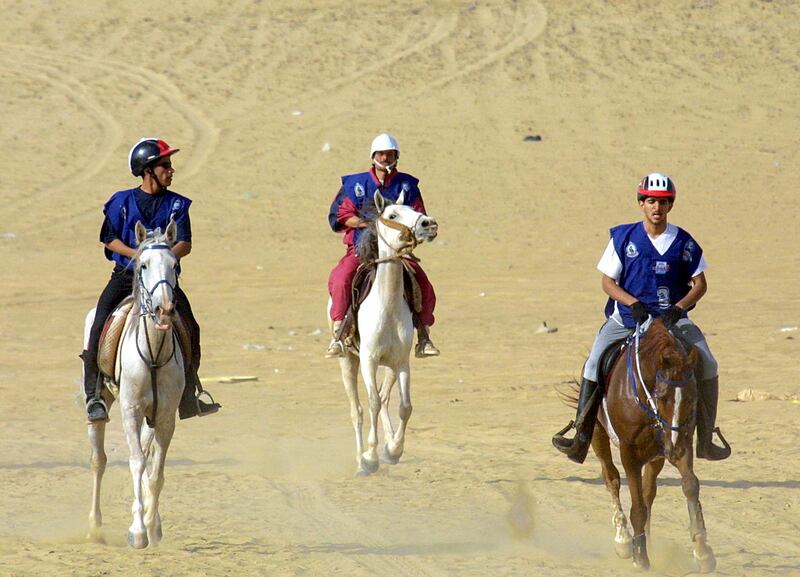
(144, 266)
(393, 216)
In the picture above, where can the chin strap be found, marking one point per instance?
(388, 168)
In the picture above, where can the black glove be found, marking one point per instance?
(672, 315)
(639, 312)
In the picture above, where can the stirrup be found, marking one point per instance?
(426, 348)
(708, 451)
(99, 419)
(335, 349)
(561, 442)
(211, 408)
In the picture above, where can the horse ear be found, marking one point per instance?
(172, 232)
(401, 198)
(141, 232)
(380, 201)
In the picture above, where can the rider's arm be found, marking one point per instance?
(616, 292)
(181, 248)
(699, 288)
(120, 247)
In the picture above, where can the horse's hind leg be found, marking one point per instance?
(97, 433)
(690, 484)
(622, 535)
(651, 472)
(395, 446)
(349, 367)
(638, 516)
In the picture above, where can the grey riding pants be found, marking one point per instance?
(612, 331)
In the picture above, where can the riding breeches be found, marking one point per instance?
(686, 330)
(340, 284)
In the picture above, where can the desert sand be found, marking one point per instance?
(703, 90)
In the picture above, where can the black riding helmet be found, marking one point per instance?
(146, 152)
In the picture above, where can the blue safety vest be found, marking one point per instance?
(656, 280)
(123, 214)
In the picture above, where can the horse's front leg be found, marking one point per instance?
(369, 458)
(349, 366)
(690, 484)
(385, 392)
(638, 516)
(395, 445)
(154, 482)
(97, 434)
(650, 489)
(132, 423)
(622, 535)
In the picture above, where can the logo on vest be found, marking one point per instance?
(661, 267)
(687, 251)
(631, 251)
(663, 297)
(405, 187)
(359, 190)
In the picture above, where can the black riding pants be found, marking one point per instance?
(119, 286)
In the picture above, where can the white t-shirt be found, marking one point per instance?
(610, 264)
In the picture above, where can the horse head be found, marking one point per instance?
(156, 273)
(401, 227)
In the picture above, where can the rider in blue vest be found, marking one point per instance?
(154, 205)
(650, 268)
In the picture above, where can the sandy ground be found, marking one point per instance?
(705, 91)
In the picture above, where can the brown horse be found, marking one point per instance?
(649, 411)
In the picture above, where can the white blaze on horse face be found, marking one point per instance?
(158, 270)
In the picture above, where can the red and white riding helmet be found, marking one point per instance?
(656, 185)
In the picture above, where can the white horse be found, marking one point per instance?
(386, 333)
(150, 378)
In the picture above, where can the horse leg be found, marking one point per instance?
(651, 472)
(690, 484)
(369, 458)
(97, 434)
(622, 535)
(155, 480)
(349, 366)
(394, 447)
(132, 423)
(638, 516)
(385, 392)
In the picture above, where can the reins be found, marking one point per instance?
(406, 235)
(146, 310)
(651, 408)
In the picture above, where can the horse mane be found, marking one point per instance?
(367, 246)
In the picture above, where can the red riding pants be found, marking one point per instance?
(341, 280)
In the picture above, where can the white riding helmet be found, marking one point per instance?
(384, 141)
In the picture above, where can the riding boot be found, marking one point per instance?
(96, 409)
(191, 405)
(425, 347)
(707, 398)
(588, 405)
(336, 348)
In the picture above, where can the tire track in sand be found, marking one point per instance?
(53, 68)
(529, 21)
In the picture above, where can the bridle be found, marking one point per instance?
(146, 310)
(407, 237)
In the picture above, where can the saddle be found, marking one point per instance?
(607, 361)
(362, 283)
(115, 326)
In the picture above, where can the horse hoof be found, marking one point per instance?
(642, 564)
(154, 536)
(624, 550)
(706, 563)
(389, 457)
(95, 535)
(369, 465)
(137, 540)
